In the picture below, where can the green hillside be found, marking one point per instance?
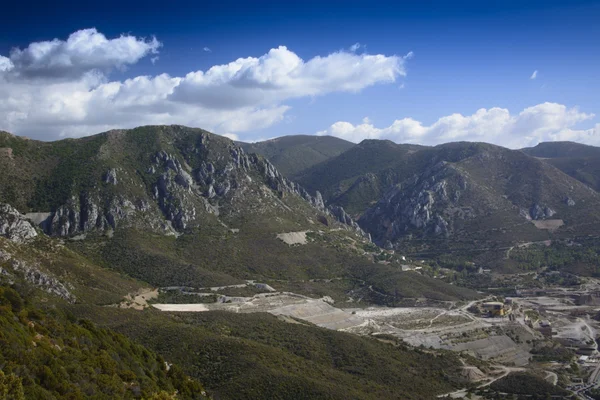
(170, 205)
(295, 153)
(358, 177)
(233, 355)
(249, 356)
(51, 355)
(576, 160)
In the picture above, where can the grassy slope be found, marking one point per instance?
(238, 355)
(294, 154)
(527, 384)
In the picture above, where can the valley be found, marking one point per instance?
(427, 272)
(541, 330)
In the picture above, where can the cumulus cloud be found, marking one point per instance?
(62, 88)
(543, 122)
(280, 75)
(207, 49)
(83, 51)
(534, 75)
(5, 64)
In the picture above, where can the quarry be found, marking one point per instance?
(545, 330)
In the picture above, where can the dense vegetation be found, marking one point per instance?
(249, 356)
(581, 256)
(527, 384)
(48, 355)
(212, 258)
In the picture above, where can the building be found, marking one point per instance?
(494, 308)
(545, 328)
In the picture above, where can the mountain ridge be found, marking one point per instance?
(293, 154)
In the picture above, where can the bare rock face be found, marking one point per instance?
(14, 226)
(89, 213)
(538, 212)
(111, 176)
(569, 201)
(340, 214)
(32, 274)
(43, 280)
(427, 203)
(174, 188)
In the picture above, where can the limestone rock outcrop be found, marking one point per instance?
(14, 226)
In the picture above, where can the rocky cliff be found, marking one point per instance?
(163, 179)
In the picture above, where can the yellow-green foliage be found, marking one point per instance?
(46, 355)
(11, 387)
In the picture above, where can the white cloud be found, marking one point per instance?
(207, 49)
(83, 51)
(356, 46)
(231, 136)
(280, 75)
(246, 94)
(5, 64)
(153, 60)
(534, 75)
(543, 122)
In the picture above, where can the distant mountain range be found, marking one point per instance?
(295, 153)
(174, 206)
(462, 191)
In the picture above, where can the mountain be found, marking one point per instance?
(580, 161)
(295, 153)
(88, 227)
(562, 150)
(358, 177)
(174, 206)
(454, 194)
(66, 305)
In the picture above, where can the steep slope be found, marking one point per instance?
(484, 192)
(235, 356)
(295, 153)
(130, 178)
(470, 195)
(358, 177)
(46, 355)
(174, 206)
(574, 159)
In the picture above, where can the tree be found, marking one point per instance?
(11, 387)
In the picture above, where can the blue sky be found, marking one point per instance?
(466, 56)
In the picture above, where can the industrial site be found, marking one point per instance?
(551, 332)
